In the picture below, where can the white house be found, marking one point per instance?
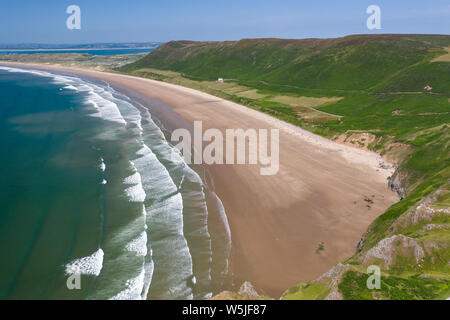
(220, 80)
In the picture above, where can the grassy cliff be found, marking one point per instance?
(363, 90)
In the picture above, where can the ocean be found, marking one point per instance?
(95, 52)
(93, 191)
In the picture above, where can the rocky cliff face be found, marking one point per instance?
(397, 184)
(246, 292)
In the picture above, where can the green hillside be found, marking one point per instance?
(352, 63)
(367, 90)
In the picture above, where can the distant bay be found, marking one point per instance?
(96, 52)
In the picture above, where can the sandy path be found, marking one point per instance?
(277, 222)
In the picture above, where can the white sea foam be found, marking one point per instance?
(70, 87)
(149, 268)
(135, 192)
(127, 109)
(165, 222)
(155, 179)
(193, 199)
(102, 165)
(138, 245)
(96, 96)
(135, 178)
(133, 289)
(104, 108)
(56, 78)
(90, 265)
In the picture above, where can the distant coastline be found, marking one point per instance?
(99, 45)
(93, 48)
(98, 52)
(75, 49)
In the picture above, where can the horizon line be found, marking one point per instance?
(230, 40)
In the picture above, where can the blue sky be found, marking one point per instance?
(44, 21)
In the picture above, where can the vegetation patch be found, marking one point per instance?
(308, 102)
(354, 287)
(251, 94)
(320, 247)
(307, 291)
(443, 58)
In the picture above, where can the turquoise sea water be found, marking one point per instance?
(91, 187)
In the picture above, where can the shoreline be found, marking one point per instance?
(74, 49)
(278, 221)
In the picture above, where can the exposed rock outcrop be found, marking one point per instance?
(360, 140)
(360, 245)
(333, 277)
(389, 248)
(423, 211)
(248, 290)
(395, 183)
(432, 226)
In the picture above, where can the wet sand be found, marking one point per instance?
(277, 222)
